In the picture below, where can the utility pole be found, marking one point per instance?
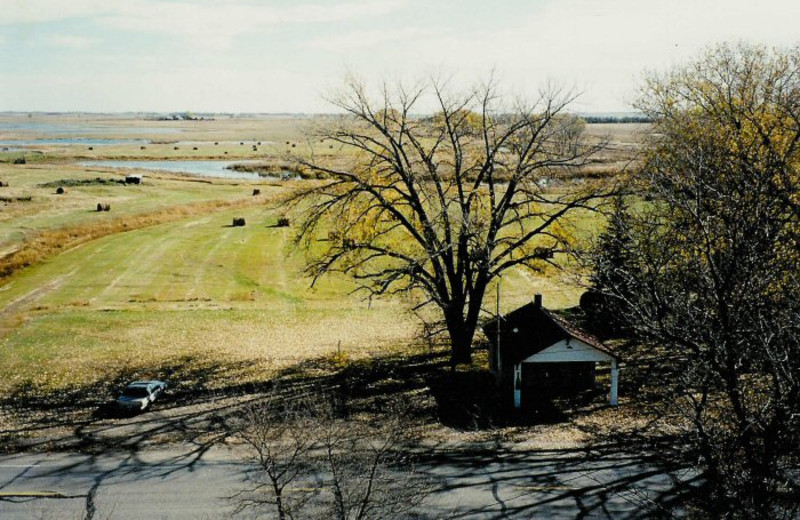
(497, 313)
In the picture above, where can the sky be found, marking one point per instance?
(279, 56)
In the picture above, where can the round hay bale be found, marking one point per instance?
(142, 148)
(238, 221)
(91, 148)
(3, 184)
(216, 143)
(194, 148)
(99, 206)
(256, 191)
(60, 190)
(175, 148)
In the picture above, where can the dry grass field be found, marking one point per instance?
(162, 283)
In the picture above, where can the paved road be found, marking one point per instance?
(470, 484)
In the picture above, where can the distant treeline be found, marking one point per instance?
(616, 119)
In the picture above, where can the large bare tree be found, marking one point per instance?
(442, 205)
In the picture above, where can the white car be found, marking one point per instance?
(139, 395)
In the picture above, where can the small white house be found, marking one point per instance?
(535, 352)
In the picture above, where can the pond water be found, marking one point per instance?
(62, 128)
(198, 168)
(86, 141)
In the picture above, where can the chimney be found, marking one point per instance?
(537, 301)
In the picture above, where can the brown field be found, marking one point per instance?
(162, 286)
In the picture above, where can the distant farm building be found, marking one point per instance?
(535, 354)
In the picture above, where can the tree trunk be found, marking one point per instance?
(461, 347)
(461, 335)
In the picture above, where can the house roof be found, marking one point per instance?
(531, 328)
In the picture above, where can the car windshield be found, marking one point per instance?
(135, 391)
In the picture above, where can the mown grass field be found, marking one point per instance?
(47, 210)
(191, 289)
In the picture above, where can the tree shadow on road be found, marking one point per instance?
(199, 413)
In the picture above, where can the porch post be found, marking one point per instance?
(614, 383)
(517, 385)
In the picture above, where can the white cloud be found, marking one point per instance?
(220, 24)
(368, 39)
(195, 89)
(201, 23)
(72, 41)
(601, 47)
(33, 11)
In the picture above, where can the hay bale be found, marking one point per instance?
(103, 207)
(194, 148)
(133, 179)
(175, 148)
(256, 191)
(3, 184)
(60, 190)
(216, 143)
(99, 206)
(142, 148)
(91, 148)
(238, 221)
(283, 222)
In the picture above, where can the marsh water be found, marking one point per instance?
(72, 128)
(198, 168)
(65, 141)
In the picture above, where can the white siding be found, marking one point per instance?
(563, 351)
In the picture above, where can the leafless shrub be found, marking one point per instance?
(314, 463)
(365, 474)
(281, 437)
